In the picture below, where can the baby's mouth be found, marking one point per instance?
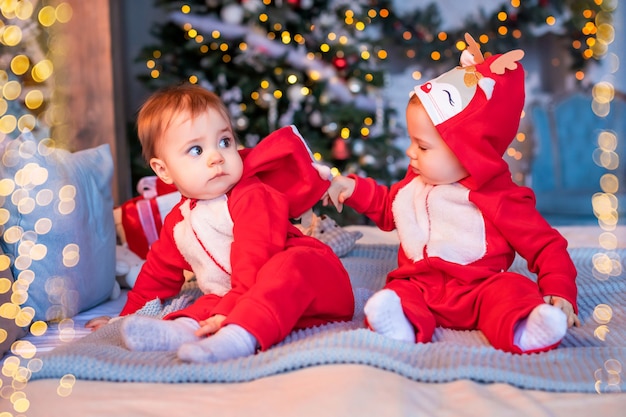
(218, 175)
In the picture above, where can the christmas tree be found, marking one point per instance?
(27, 67)
(582, 25)
(322, 64)
(312, 63)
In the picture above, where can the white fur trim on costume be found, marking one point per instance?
(411, 217)
(297, 133)
(457, 226)
(467, 59)
(487, 85)
(214, 227)
(324, 171)
(440, 219)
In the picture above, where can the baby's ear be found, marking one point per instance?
(160, 169)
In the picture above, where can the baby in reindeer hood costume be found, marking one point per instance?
(461, 219)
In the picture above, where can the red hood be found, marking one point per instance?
(284, 161)
(477, 113)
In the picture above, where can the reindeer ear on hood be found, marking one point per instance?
(471, 55)
(507, 61)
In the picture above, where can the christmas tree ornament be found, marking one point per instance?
(354, 85)
(253, 6)
(340, 151)
(315, 118)
(340, 63)
(330, 129)
(306, 4)
(294, 93)
(242, 122)
(358, 147)
(368, 160)
(232, 14)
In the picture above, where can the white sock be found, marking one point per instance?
(231, 341)
(543, 327)
(385, 316)
(145, 334)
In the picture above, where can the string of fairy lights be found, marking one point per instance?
(27, 70)
(27, 104)
(28, 77)
(595, 29)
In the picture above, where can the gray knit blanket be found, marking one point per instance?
(589, 359)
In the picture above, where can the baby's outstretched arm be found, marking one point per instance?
(566, 307)
(339, 191)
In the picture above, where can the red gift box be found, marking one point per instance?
(142, 217)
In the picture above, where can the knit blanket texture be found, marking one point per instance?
(589, 359)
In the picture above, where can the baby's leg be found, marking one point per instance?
(300, 287)
(229, 342)
(145, 334)
(385, 316)
(545, 326)
(514, 317)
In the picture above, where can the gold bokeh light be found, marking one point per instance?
(27, 82)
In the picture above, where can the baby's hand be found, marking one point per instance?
(566, 307)
(95, 323)
(339, 191)
(210, 325)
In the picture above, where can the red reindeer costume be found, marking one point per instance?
(459, 240)
(251, 263)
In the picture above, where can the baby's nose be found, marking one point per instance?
(215, 158)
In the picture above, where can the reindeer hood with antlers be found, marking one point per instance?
(476, 108)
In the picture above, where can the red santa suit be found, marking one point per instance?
(459, 240)
(251, 263)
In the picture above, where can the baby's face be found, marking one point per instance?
(199, 155)
(430, 157)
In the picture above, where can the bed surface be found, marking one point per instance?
(332, 389)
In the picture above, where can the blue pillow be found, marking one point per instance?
(57, 227)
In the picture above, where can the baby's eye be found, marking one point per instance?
(449, 97)
(195, 150)
(225, 143)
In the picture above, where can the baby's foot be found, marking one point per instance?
(544, 326)
(145, 334)
(231, 341)
(385, 316)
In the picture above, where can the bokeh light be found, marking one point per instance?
(20, 64)
(606, 264)
(27, 82)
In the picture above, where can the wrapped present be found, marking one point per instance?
(139, 220)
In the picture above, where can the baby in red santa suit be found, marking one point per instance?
(461, 219)
(260, 276)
